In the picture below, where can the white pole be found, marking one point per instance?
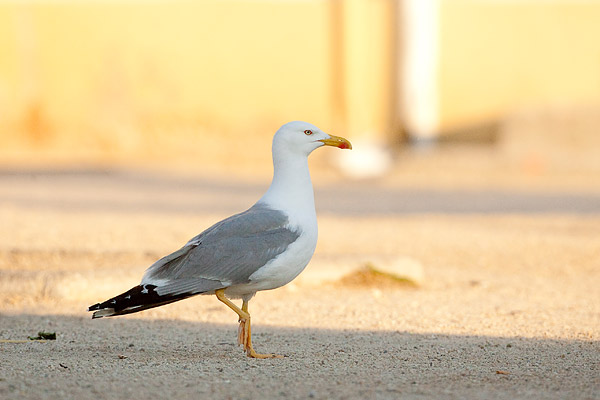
(419, 53)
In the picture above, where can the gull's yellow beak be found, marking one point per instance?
(337, 141)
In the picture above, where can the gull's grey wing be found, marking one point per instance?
(225, 254)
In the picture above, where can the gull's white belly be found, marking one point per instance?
(281, 270)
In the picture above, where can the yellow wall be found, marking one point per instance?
(91, 78)
(117, 75)
(208, 79)
(497, 56)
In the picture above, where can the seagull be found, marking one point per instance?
(262, 248)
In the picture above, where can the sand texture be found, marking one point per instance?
(507, 304)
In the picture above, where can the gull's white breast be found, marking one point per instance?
(286, 266)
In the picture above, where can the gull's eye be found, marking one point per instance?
(308, 132)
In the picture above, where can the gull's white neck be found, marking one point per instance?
(291, 189)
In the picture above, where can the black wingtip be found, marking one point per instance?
(138, 298)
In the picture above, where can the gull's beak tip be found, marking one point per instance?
(337, 141)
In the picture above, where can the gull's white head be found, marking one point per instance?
(291, 189)
(302, 138)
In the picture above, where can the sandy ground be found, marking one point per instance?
(508, 307)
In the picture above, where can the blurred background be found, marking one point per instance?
(203, 85)
(150, 120)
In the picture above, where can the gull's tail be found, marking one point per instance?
(138, 298)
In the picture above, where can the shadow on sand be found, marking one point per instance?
(137, 358)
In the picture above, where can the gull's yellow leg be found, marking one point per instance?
(244, 332)
(243, 328)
